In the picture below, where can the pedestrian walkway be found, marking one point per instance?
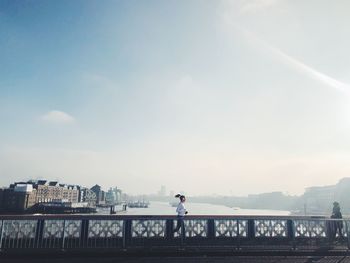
(195, 259)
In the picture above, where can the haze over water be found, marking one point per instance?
(163, 208)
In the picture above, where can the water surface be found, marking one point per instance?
(163, 208)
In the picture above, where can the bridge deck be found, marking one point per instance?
(78, 238)
(182, 259)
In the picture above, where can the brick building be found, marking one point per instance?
(17, 199)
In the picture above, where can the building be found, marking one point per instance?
(54, 191)
(114, 196)
(323, 194)
(70, 193)
(100, 194)
(320, 199)
(21, 196)
(88, 196)
(118, 193)
(111, 197)
(18, 198)
(1, 198)
(47, 191)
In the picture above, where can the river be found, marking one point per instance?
(163, 208)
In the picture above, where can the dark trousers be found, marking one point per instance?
(180, 224)
(338, 227)
(335, 227)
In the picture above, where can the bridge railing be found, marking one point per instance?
(135, 232)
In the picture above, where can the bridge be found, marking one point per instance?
(144, 236)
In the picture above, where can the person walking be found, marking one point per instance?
(181, 212)
(337, 226)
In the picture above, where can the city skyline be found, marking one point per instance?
(227, 97)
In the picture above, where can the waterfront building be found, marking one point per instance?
(118, 193)
(70, 194)
(54, 192)
(100, 194)
(1, 198)
(47, 191)
(21, 196)
(111, 197)
(318, 199)
(114, 196)
(88, 196)
(17, 199)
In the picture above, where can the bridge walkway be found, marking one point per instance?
(182, 259)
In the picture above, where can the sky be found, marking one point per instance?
(226, 97)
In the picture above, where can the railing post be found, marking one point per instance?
(63, 235)
(238, 236)
(211, 229)
(39, 233)
(169, 229)
(1, 233)
(84, 234)
(330, 231)
(291, 232)
(251, 228)
(347, 233)
(127, 232)
(182, 234)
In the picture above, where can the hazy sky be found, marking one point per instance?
(228, 97)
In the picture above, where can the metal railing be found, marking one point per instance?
(120, 232)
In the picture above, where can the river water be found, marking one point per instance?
(163, 208)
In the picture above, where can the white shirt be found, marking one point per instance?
(181, 210)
